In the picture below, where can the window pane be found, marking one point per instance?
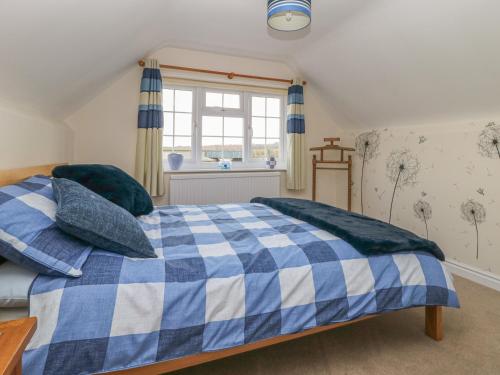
(273, 147)
(182, 145)
(258, 148)
(211, 148)
(214, 99)
(168, 142)
(273, 107)
(183, 124)
(233, 148)
(273, 128)
(258, 106)
(232, 101)
(212, 125)
(169, 123)
(233, 127)
(259, 127)
(168, 100)
(183, 101)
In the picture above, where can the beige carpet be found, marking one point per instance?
(392, 344)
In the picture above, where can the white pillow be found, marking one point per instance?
(15, 283)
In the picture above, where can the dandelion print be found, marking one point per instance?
(402, 169)
(474, 213)
(423, 211)
(489, 141)
(367, 145)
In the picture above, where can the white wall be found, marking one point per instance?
(451, 171)
(28, 139)
(105, 128)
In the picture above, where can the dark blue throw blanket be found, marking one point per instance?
(368, 236)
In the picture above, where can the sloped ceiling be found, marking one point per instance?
(377, 62)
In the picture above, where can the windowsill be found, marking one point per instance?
(234, 170)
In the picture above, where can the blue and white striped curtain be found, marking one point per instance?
(149, 151)
(296, 128)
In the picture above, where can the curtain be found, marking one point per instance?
(149, 151)
(296, 168)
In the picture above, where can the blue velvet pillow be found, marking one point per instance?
(111, 183)
(89, 217)
(29, 235)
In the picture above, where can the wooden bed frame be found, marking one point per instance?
(433, 314)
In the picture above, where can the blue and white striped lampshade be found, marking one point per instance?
(291, 15)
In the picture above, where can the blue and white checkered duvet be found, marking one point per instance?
(226, 275)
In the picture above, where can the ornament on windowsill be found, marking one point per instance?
(271, 162)
(225, 164)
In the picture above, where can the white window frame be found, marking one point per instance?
(220, 112)
(193, 124)
(283, 130)
(200, 109)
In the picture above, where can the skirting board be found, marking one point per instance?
(476, 275)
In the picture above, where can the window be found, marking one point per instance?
(266, 127)
(206, 125)
(178, 121)
(222, 138)
(222, 100)
(222, 127)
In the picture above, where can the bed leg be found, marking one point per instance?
(434, 322)
(18, 370)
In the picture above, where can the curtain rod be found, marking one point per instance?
(229, 75)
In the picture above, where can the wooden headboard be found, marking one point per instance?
(11, 176)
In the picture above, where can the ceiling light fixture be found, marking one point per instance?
(291, 15)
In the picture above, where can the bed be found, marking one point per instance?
(228, 279)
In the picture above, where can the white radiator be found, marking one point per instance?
(217, 188)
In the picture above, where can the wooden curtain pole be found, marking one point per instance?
(229, 75)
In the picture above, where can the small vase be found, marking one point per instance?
(175, 161)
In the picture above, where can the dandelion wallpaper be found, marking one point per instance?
(442, 182)
(367, 145)
(474, 213)
(423, 211)
(402, 169)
